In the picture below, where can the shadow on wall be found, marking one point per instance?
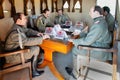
(5, 25)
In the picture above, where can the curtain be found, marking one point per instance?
(13, 10)
(117, 8)
(73, 9)
(41, 2)
(54, 2)
(25, 6)
(1, 10)
(80, 5)
(68, 4)
(33, 7)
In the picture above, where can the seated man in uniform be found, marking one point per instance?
(61, 18)
(98, 36)
(20, 37)
(43, 21)
(109, 18)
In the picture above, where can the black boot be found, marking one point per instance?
(34, 69)
(40, 59)
(68, 70)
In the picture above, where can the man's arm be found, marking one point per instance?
(91, 37)
(25, 40)
(40, 25)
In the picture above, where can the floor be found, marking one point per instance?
(62, 60)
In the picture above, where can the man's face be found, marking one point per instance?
(92, 12)
(60, 12)
(23, 20)
(104, 13)
(47, 14)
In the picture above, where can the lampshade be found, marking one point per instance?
(6, 6)
(29, 5)
(65, 5)
(77, 5)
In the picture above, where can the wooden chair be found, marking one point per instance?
(113, 50)
(8, 68)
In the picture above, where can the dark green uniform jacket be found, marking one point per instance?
(98, 36)
(60, 19)
(42, 23)
(110, 21)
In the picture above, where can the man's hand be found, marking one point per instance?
(40, 34)
(85, 29)
(46, 36)
(70, 40)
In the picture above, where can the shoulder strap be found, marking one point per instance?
(20, 39)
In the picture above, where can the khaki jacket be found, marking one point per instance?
(61, 19)
(27, 37)
(43, 22)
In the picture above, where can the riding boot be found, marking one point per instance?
(40, 58)
(34, 68)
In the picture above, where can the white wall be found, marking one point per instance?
(19, 5)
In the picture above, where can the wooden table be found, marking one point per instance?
(51, 46)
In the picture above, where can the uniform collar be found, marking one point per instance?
(108, 15)
(19, 25)
(44, 16)
(98, 18)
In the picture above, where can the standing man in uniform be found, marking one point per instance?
(19, 37)
(98, 36)
(109, 18)
(61, 18)
(43, 21)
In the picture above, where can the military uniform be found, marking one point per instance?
(110, 21)
(98, 36)
(12, 42)
(42, 23)
(60, 19)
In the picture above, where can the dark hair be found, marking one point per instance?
(98, 8)
(60, 10)
(45, 10)
(105, 8)
(17, 16)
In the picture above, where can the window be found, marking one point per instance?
(29, 7)
(65, 5)
(110, 3)
(119, 4)
(6, 8)
(77, 5)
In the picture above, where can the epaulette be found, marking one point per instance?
(96, 22)
(40, 17)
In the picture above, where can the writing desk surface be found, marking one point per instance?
(57, 45)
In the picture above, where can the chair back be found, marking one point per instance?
(115, 32)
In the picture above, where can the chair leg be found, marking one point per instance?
(114, 75)
(1, 77)
(82, 65)
(30, 71)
